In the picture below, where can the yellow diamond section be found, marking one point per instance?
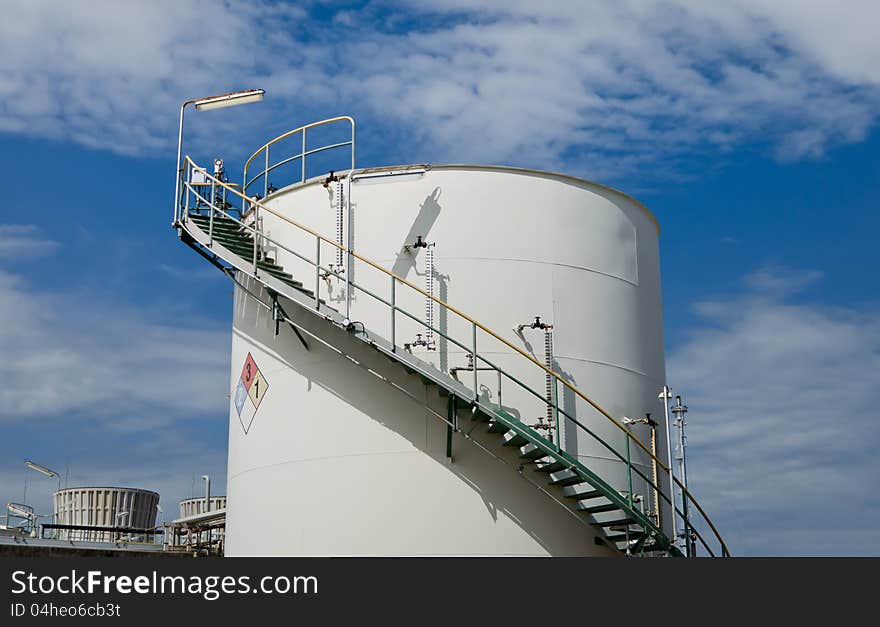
(258, 389)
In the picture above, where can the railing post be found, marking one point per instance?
(450, 421)
(186, 174)
(556, 413)
(211, 217)
(317, 273)
(180, 193)
(393, 314)
(256, 233)
(476, 363)
(348, 246)
(302, 157)
(266, 175)
(629, 472)
(352, 145)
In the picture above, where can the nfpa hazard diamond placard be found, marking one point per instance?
(249, 392)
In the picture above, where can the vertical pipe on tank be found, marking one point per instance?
(654, 474)
(429, 302)
(548, 379)
(339, 223)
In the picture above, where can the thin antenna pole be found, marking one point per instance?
(666, 395)
(680, 410)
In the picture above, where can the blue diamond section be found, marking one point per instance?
(241, 396)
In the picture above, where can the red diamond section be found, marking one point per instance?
(249, 372)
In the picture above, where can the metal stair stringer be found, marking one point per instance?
(583, 475)
(300, 296)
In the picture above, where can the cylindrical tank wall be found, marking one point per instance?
(508, 246)
(104, 507)
(196, 505)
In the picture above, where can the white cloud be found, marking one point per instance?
(112, 74)
(124, 397)
(23, 241)
(526, 81)
(782, 428)
(75, 353)
(603, 88)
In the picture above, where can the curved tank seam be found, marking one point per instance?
(322, 458)
(546, 263)
(603, 363)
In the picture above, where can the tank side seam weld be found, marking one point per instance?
(603, 363)
(546, 263)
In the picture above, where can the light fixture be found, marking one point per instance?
(41, 469)
(206, 104)
(20, 509)
(229, 100)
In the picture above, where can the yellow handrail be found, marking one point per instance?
(479, 325)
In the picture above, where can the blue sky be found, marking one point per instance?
(749, 128)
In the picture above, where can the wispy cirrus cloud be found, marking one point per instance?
(610, 86)
(67, 353)
(24, 241)
(783, 398)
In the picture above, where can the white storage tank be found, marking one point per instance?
(196, 505)
(104, 507)
(338, 455)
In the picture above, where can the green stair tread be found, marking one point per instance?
(482, 416)
(235, 240)
(514, 440)
(572, 478)
(225, 225)
(582, 494)
(617, 523)
(551, 467)
(532, 453)
(599, 509)
(220, 225)
(634, 535)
